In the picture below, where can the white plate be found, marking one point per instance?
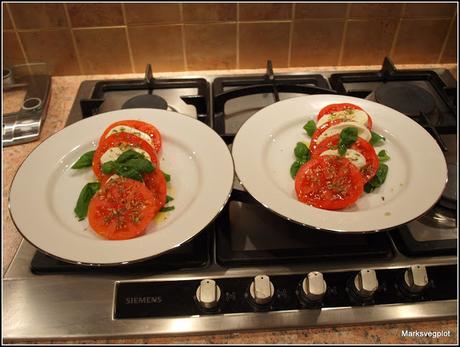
(45, 189)
(263, 153)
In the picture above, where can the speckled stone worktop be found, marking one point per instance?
(63, 92)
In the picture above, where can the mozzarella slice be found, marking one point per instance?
(131, 130)
(114, 152)
(357, 116)
(356, 158)
(363, 132)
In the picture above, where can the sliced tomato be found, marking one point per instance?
(341, 107)
(117, 140)
(365, 148)
(141, 126)
(320, 130)
(122, 209)
(328, 182)
(156, 183)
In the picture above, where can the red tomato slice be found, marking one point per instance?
(116, 140)
(328, 182)
(365, 148)
(122, 209)
(144, 127)
(320, 130)
(156, 183)
(340, 107)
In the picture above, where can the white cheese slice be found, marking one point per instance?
(363, 132)
(357, 116)
(131, 130)
(114, 152)
(356, 158)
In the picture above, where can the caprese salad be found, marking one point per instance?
(130, 189)
(340, 162)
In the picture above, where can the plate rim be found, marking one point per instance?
(138, 260)
(342, 98)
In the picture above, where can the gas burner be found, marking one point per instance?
(406, 98)
(146, 101)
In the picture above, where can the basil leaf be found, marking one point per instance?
(167, 209)
(128, 155)
(378, 179)
(167, 177)
(168, 199)
(383, 156)
(376, 139)
(109, 167)
(142, 165)
(310, 127)
(301, 151)
(129, 172)
(295, 167)
(86, 194)
(86, 160)
(348, 136)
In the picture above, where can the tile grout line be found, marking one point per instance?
(237, 35)
(344, 35)
(18, 37)
(398, 28)
(74, 40)
(291, 34)
(182, 26)
(444, 45)
(128, 41)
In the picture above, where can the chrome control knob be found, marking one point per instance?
(208, 293)
(415, 279)
(313, 287)
(261, 290)
(366, 283)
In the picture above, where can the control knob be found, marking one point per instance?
(415, 279)
(313, 287)
(261, 290)
(208, 293)
(365, 283)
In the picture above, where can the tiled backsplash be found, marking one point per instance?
(90, 38)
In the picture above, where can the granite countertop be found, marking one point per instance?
(63, 92)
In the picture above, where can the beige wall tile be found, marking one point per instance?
(265, 11)
(210, 12)
(262, 41)
(429, 10)
(450, 52)
(36, 16)
(321, 46)
(95, 15)
(368, 41)
(7, 24)
(358, 10)
(210, 46)
(152, 13)
(53, 47)
(313, 11)
(163, 51)
(420, 41)
(12, 53)
(103, 50)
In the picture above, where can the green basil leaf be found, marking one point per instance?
(383, 156)
(128, 155)
(142, 165)
(295, 167)
(129, 172)
(342, 149)
(348, 136)
(86, 160)
(310, 127)
(301, 151)
(167, 209)
(378, 179)
(86, 194)
(168, 199)
(109, 167)
(167, 177)
(376, 139)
